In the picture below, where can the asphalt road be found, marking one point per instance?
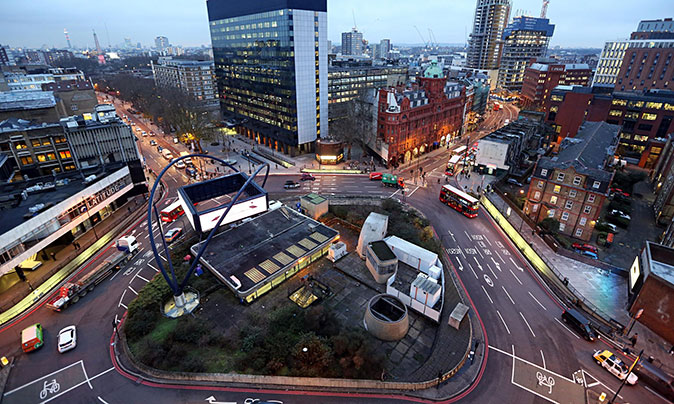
(532, 356)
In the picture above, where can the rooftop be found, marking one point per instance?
(382, 250)
(662, 261)
(22, 100)
(249, 255)
(16, 124)
(314, 199)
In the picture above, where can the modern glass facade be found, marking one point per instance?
(271, 69)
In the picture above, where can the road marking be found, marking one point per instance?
(518, 279)
(478, 264)
(499, 255)
(85, 375)
(147, 235)
(498, 266)
(487, 240)
(516, 266)
(607, 387)
(393, 194)
(146, 280)
(43, 377)
(122, 298)
(468, 235)
(471, 268)
(512, 355)
(539, 303)
(527, 323)
(567, 328)
(508, 294)
(543, 356)
(654, 392)
(489, 297)
(492, 272)
(503, 321)
(152, 266)
(478, 251)
(460, 265)
(415, 189)
(593, 384)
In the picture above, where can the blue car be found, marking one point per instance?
(587, 254)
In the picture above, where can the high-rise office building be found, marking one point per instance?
(271, 64)
(524, 38)
(609, 63)
(384, 48)
(161, 42)
(352, 42)
(485, 44)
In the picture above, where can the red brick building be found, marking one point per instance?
(542, 76)
(573, 186)
(415, 120)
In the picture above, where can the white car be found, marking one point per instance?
(615, 366)
(67, 339)
(179, 164)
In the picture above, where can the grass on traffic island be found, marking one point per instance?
(281, 339)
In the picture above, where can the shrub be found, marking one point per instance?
(550, 225)
(192, 363)
(564, 241)
(141, 323)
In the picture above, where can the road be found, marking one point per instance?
(532, 356)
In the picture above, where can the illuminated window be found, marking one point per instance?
(565, 216)
(619, 102)
(553, 200)
(649, 117)
(556, 189)
(537, 195)
(65, 154)
(41, 157)
(544, 172)
(596, 184)
(534, 208)
(615, 112)
(551, 213)
(26, 160)
(587, 209)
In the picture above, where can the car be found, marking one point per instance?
(580, 323)
(153, 143)
(258, 401)
(307, 177)
(175, 140)
(514, 182)
(588, 254)
(585, 247)
(152, 133)
(611, 226)
(375, 176)
(67, 339)
(231, 162)
(191, 172)
(143, 133)
(179, 164)
(173, 234)
(290, 184)
(615, 366)
(620, 213)
(159, 149)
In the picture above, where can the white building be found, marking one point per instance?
(195, 78)
(373, 229)
(610, 60)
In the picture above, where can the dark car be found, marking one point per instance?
(290, 184)
(576, 320)
(307, 177)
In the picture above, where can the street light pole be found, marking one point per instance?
(626, 376)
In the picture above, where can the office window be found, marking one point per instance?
(540, 184)
(565, 216)
(534, 208)
(537, 195)
(556, 189)
(569, 205)
(544, 172)
(583, 220)
(26, 160)
(560, 176)
(572, 193)
(579, 232)
(590, 198)
(551, 213)
(553, 200)
(65, 154)
(587, 209)
(576, 180)
(596, 184)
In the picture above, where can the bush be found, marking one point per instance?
(141, 323)
(550, 225)
(564, 241)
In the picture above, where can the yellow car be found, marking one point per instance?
(615, 366)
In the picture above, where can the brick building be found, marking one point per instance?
(662, 179)
(573, 186)
(413, 121)
(542, 76)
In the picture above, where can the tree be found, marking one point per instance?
(353, 123)
(550, 225)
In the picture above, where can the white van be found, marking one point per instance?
(167, 154)
(187, 160)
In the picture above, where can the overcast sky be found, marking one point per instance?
(578, 23)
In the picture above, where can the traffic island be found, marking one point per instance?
(274, 342)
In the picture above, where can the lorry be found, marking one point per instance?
(70, 292)
(390, 180)
(32, 338)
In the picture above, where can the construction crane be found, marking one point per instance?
(422, 37)
(544, 9)
(65, 32)
(432, 40)
(353, 13)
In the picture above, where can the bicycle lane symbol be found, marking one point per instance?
(48, 387)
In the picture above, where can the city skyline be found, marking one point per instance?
(188, 25)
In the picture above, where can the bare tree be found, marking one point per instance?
(353, 123)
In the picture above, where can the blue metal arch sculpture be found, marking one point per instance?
(172, 281)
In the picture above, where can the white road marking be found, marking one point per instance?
(508, 294)
(539, 303)
(151, 266)
(607, 387)
(498, 266)
(101, 400)
(503, 321)
(146, 280)
(391, 196)
(471, 268)
(654, 392)
(478, 264)
(518, 279)
(527, 323)
(487, 239)
(489, 297)
(516, 266)
(543, 356)
(468, 235)
(512, 355)
(499, 255)
(415, 190)
(460, 265)
(478, 251)
(122, 298)
(85, 375)
(43, 377)
(147, 235)
(593, 384)
(492, 272)
(567, 328)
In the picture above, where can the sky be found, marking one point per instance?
(578, 23)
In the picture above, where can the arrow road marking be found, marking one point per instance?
(516, 266)
(211, 400)
(498, 266)
(460, 265)
(478, 264)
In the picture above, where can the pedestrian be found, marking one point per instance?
(633, 340)
(53, 256)
(671, 350)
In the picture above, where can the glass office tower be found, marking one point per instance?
(271, 67)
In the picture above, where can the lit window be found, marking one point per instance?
(583, 220)
(596, 184)
(534, 208)
(540, 184)
(587, 209)
(551, 213)
(553, 200)
(556, 189)
(649, 117)
(537, 195)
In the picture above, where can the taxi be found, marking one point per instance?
(615, 366)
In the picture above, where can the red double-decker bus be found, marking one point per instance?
(453, 165)
(459, 200)
(172, 212)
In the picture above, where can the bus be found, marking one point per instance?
(172, 212)
(497, 106)
(459, 200)
(453, 165)
(459, 150)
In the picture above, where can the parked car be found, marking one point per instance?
(179, 164)
(611, 226)
(175, 140)
(191, 172)
(307, 177)
(67, 339)
(153, 143)
(173, 234)
(290, 184)
(580, 323)
(152, 133)
(620, 213)
(615, 366)
(588, 254)
(585, 247)
(375, 176)
(514, 182)
(159, 149)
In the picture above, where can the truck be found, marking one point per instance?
(71, 292)
(390, 180)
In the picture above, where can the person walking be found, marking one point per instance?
(633, 340)
(53, 256)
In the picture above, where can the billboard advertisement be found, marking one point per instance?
(239, 211)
